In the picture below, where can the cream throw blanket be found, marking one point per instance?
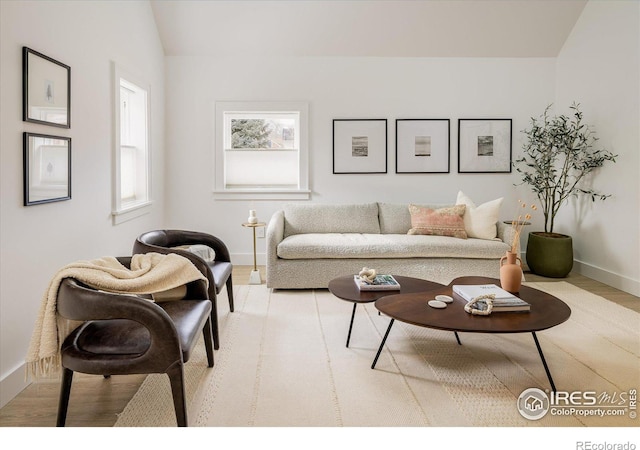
(150, 273)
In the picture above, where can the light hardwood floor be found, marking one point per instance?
(96, 401)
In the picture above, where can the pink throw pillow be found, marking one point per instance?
(438, 222)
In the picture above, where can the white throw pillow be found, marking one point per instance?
(480, 221)
(203, 251)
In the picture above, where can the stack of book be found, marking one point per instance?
(503, 302)
(380, 283)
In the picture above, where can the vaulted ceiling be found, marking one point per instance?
(392, 28)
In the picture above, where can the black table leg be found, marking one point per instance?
(457, 337)
(353, 314)
(544, 362)
(384, 339)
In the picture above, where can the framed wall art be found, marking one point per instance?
(484, 145)
(47, 168)
(46, 90)
(422, 145)
(359, 146)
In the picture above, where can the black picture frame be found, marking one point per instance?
(46, 168)
(423, 145)
(484, 145)
(46, 90)
(359, 146)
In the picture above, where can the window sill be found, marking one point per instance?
(261, 195)
(133, 212)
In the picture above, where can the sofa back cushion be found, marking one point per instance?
(330, 218)
(395, 218)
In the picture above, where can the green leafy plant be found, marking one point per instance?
(558, 153)
(250, 133)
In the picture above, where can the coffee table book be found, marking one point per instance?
(381, 283)
(503, 302)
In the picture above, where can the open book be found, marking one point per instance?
(504, 301)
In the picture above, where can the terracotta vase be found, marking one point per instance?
(511, 272)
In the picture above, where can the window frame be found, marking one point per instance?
(220, 190)
(121, 211)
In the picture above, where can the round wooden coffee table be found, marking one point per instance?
(345, 288)
(546, 311)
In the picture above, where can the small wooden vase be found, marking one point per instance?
(511, 272)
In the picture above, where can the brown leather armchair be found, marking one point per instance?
(125, 334)
(218, 272)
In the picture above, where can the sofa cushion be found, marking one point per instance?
(480, 221)
(356, 245)
(326, 218)
(438, 222)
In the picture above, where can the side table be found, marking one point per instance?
(254, 278)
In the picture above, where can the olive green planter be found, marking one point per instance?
(550, 254)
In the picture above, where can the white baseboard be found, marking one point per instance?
(604, 276)
(12, 385)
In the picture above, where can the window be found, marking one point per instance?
(261, 150)
(132, 150)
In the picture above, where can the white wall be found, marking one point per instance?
(335, 88)
(599, 67)
(38, 240)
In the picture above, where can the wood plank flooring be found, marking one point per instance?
(96, 401)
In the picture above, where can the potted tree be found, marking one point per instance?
(559, 152)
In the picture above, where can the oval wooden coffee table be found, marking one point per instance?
(345, 288)
(546, 312)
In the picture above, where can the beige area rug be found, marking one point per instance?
(283, 362)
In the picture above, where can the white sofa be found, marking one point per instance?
(310, 244)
